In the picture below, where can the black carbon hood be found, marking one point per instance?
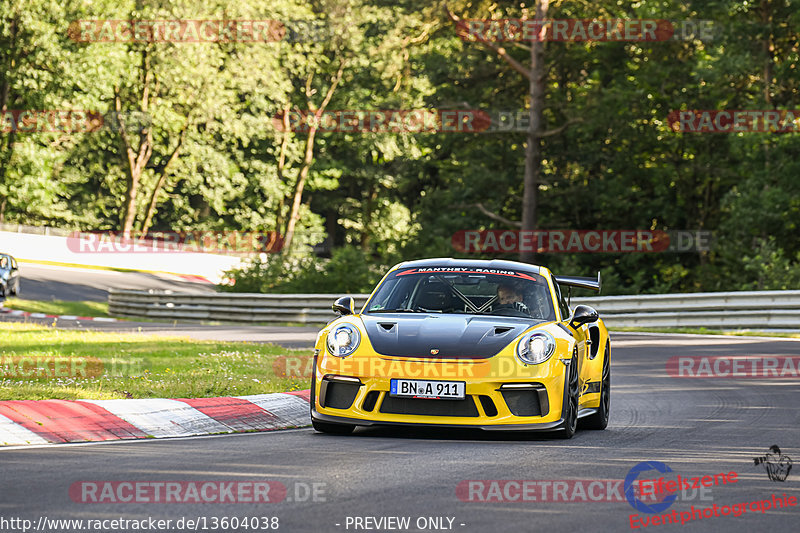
(455, 336)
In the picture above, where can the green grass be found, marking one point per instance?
(59, 307)
(704, 331)
(74, 364)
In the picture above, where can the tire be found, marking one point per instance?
(570, 410)
(333, 429)
(599, 420)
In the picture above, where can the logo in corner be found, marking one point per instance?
(630, 486)
(775, 463)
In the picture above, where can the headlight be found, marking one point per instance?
(343, 340)
(536, 348)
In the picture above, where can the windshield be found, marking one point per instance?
(464, 290)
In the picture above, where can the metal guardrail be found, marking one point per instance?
(227, 307)
(714, 310)
(35, 230)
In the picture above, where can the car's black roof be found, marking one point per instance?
(473, 263)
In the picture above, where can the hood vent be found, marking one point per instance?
(455, 336)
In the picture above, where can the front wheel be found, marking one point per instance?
(599, 420)
(571, 398)
(333, 429)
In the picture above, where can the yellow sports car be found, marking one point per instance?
(464, 343)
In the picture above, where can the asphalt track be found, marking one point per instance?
(696, 426)
(46, 282)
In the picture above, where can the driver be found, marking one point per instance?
(508, 296)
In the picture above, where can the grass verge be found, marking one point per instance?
(59, 307)
(39, 362)
(704, 331)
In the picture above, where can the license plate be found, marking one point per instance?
(418, 388)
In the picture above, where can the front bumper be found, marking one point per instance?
(550, 426)
(523, 403)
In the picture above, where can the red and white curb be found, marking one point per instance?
(17, 312)
(60, 421)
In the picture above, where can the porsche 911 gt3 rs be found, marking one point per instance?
(464, 343)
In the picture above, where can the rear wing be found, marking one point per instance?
(580, 282)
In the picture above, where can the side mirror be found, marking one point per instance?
(344, 306)
(583, 315)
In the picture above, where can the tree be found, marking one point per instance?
(536, 76)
